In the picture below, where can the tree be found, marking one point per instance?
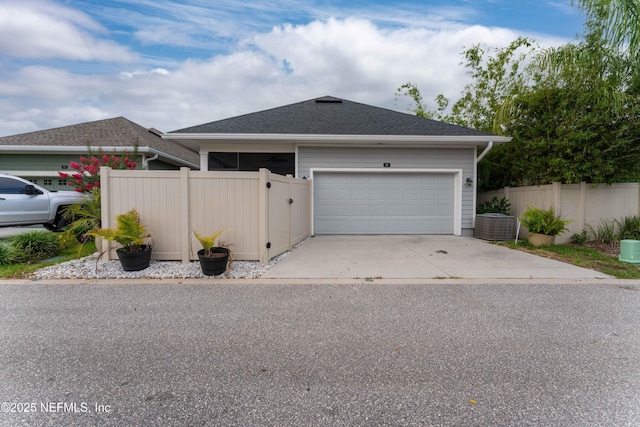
(577, 120)
(621, 21)
(87, 176)
(573, 111)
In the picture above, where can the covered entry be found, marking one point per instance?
(386, 202)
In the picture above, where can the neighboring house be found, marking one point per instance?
(38, 156)
(374, 171)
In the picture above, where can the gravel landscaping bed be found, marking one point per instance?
(85, 268)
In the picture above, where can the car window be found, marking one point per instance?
(11, 186)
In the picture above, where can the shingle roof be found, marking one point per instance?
(331, 116)
(115, 132)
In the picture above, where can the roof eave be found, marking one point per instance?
(330, 139)
(20, 149)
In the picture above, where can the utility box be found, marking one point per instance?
(495, 226)
(630, 251)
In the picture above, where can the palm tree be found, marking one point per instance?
(621, 20)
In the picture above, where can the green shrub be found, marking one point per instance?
(37, 244)
(629, 228)
(579, 238)
(83, 218)
(9, 254)
(605, 232)
(544, 221)
(495, 205)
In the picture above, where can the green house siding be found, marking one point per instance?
(36, 162)
(50, 164)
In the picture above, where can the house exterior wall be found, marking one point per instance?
(43, 169)
(160, 165)
(398, 158)
(36, 162)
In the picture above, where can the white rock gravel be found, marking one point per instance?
(85, 268)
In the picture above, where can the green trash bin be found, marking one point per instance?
(630, 251)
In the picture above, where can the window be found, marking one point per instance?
(48, 182)
(62, 182)
(223, 161)
(280, 163)
(11, 186)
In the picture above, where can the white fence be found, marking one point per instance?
(263, 214)
(584, 204)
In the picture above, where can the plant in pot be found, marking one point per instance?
(132, 235)
(543, 225)
(213, 259)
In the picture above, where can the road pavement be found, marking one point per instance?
(447, 354)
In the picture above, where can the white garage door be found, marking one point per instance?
(383, 203)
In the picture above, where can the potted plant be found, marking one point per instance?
(213, 259)
(543, 225)
(132, 235)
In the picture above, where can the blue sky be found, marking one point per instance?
(170, 64)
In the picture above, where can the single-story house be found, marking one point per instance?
(39, 156)
(374, 170)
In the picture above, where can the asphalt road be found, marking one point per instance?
(405, 355)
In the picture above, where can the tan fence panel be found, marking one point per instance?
(225, 200)
(300, 210)
(614, 201)
(174, 203)
(153, 194)
(279, 215)
(585, 205)
(289, 212)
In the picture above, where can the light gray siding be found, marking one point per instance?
(398, 158)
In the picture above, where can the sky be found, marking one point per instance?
(175, 64)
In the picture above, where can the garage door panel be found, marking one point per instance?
(383, 203)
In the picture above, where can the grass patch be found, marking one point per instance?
(581, 256)
(23, 269)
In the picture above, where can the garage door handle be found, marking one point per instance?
(2, 198)
(290, 201)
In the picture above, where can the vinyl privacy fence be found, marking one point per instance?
(584, 204)
(264, 214)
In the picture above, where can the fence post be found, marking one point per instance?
(185, 216)
(105, 208)
(556, 191)
(289, 190)
(581, 205)
(263, 215)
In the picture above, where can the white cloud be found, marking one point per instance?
(43, 29)
(350, 58)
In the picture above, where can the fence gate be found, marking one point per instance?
(280, 205)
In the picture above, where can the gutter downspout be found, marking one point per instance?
(485, 152)
(475, 173)
(145, 161)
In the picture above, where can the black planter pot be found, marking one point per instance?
(135, 261)
(212, 266)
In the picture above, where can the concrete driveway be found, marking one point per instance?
(419, 257)
(6, 232)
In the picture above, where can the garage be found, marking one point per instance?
(393, 202)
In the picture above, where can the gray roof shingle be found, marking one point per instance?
(331, 116)
(115, 132)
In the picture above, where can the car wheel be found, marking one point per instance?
(60, 223)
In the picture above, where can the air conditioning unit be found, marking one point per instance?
(494, 226)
